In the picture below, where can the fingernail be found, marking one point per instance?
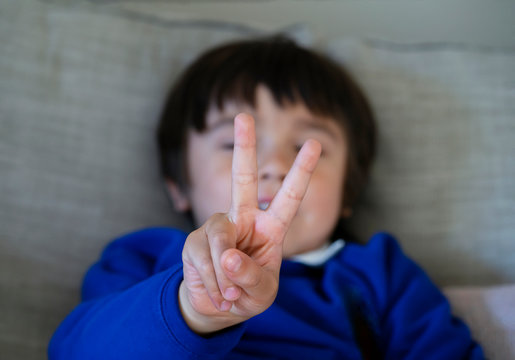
(225, 306)
(231, 293)
(233, 263)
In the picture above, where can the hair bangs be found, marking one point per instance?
(276, 65)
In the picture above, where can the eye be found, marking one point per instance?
(227, 146)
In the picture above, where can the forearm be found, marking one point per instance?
(140, 322)
(114, 326)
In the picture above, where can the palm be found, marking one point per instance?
(254, 235)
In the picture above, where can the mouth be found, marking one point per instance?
(263, 205)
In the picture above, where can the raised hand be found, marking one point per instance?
(231, 263)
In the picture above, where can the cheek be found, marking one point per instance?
(210, 190)
(324, 196)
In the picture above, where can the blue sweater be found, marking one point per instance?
(365, 300)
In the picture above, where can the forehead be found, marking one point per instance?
(268, 112)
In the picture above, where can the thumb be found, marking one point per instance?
(258, 282)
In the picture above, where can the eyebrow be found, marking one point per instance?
(221, 122)
(317, 125)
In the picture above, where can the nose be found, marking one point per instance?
(274, 163)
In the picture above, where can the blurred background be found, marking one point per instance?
(81, 88)
(471, 21)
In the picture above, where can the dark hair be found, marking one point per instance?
(292, 73)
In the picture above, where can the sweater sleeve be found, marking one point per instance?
(411, 317)
(130, 307)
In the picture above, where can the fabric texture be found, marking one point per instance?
(130, 309)
(490, 312)
(81, 86)
(443, 181)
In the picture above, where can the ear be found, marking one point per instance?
(346, 212)
(179, 198)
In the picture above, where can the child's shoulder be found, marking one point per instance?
(382, 264)
(148, 244)
(381, 245)
(148, 238)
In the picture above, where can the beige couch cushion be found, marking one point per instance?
(490, 313)
(444, 180)
(81, 87)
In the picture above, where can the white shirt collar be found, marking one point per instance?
(320, 255)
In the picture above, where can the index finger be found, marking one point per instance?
(244, 165)
(285, 204)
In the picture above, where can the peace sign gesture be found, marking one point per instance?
(231, 263)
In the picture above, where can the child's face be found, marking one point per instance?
(280, 132)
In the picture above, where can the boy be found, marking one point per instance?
(262, 276)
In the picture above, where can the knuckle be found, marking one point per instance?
(216, 217)
(307, 166)
(279, 221)
(194, 234)
(245, 141)
(213, 222)
(292, 194)
(204, 264)
(252, 280)
(240, 210)
(218, 239)
(185, 255)
(245, 178)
